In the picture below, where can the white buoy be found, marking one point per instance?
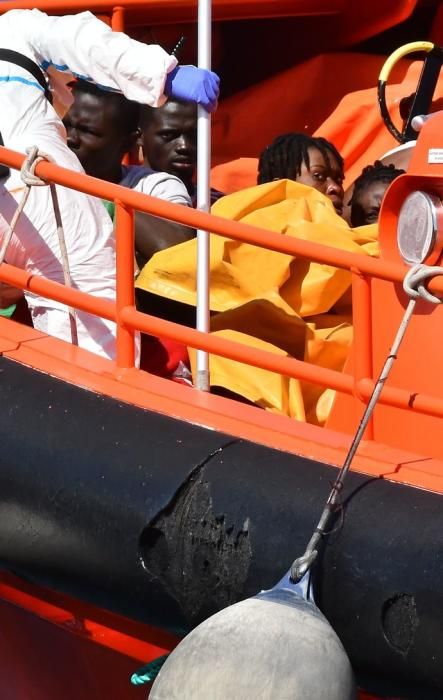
(275, 646)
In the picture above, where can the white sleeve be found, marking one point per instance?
(166, 187)
(86, 47)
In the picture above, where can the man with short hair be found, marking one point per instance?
(169, 139)
(67, 46)
(101, 128)
(169, 142)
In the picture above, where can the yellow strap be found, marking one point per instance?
(412, 47)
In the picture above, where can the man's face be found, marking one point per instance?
(327, 179)
(170, 140)
(96, 137)
(366, 206)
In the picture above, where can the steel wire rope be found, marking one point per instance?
(414, 286)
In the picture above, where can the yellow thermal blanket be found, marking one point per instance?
(286, 305)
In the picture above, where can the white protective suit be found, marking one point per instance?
(82, 46)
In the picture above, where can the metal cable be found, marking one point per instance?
(414, 286)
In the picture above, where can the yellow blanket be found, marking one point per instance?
(283, 304)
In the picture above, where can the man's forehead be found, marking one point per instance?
(175, 114)
(374, 190)
(90, 106)
(318, 160)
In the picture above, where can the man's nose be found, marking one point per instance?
(72, 137)
(184, 144)
(334, 187)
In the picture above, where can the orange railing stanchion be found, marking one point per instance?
(125, 282)
(362, 267)
(71, 6)
(118, 25)
(118, 19)
(362, 340)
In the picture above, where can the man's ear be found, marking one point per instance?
(134, 139)
(135, 143)
(139, 137)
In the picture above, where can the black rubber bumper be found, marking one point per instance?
(167, 522)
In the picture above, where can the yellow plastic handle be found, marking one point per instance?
(412, 47)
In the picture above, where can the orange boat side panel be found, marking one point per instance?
(356, 23)
(418, 366)
(42, 661)
(297, 104)
(153, 393)
(43, 630)
(172, 11)
(354, 125)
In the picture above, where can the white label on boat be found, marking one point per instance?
(435, 155)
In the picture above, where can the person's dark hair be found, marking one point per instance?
(147, 112)
(284, 157)
(378, 172)
(127, 112)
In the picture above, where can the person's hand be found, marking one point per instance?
(195, 85)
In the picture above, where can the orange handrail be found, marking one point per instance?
(128, 319)
(246, 233)
(67, 6)
(173, 11)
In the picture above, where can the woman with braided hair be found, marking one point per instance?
(369, 190)
(313, 161)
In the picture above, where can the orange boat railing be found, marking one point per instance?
(173, 11)
(354, 22)
(358, 383)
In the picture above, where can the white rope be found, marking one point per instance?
(414, 283)
(30, 179)
(414, 286)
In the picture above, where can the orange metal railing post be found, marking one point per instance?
(362, 340)
(118, 25)
(118, 19)
(125, 282)
(128, 319)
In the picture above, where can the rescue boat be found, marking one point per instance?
(133, 508)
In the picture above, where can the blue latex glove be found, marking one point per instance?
(193, 84)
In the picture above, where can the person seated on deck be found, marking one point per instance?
(101, 128)
(310, 160)
(83, 45)
(287, 305)
(369, 190)
(168, 141)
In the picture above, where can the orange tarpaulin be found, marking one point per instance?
(354, 126)
(289, 306)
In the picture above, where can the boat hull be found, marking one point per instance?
(166, 522)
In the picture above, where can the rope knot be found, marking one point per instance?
(30, 179)
(415, 279)
(27, 171)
